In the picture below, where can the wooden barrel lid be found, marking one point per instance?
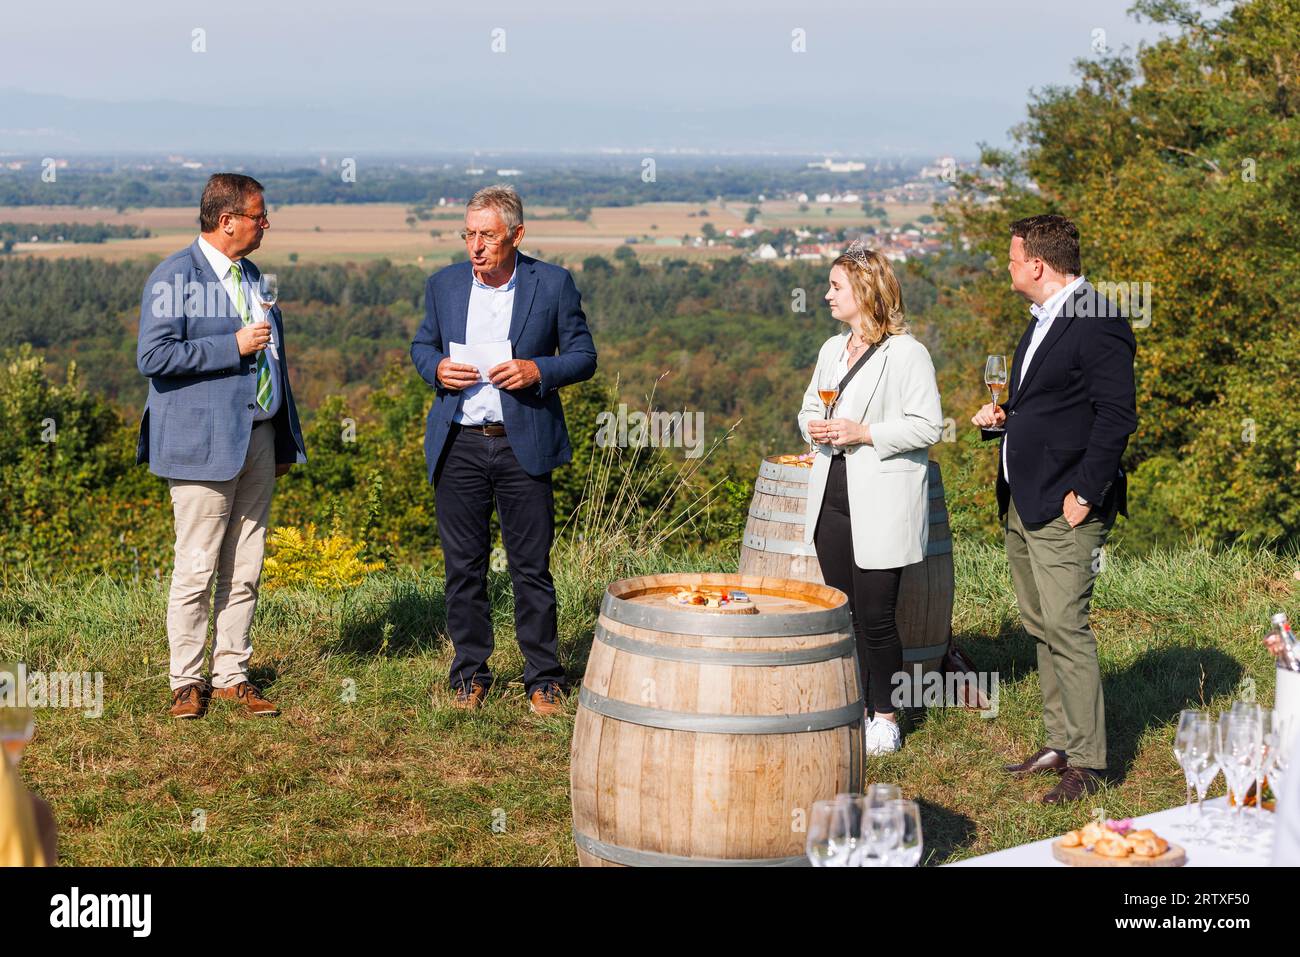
(782, 607)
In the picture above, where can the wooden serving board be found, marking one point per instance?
(1082, 857)
(742, 608)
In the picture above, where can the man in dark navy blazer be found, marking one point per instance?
(496, 442)
(1069, 412)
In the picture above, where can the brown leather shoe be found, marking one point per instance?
(250, 696)
(1075, 783)
(471, 698)
(546, 700)
(189, 701)
(1043, 760)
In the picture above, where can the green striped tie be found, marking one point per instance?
(263, 368)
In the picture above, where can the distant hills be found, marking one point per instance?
(31, 122)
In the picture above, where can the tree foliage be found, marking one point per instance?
(1181, 166)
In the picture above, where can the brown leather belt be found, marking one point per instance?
(494, 429)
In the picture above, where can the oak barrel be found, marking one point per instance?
(773, 545)
(704, 738)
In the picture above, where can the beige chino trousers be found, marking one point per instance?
(221, 536)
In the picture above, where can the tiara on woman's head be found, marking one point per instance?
(857, 251)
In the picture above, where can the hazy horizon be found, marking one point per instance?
(936, 77)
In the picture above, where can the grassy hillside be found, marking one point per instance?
(396, 777)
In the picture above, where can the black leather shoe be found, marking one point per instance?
(1075, 783)
(1044, 760)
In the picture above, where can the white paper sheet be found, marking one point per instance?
(482, 355)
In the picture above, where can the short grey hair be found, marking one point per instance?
(503, 200)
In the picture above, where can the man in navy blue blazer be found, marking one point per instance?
(1070, 409)
(220, 425)
(494, 435)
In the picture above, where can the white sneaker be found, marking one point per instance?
(882, 737)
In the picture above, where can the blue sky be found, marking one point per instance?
(925, 77)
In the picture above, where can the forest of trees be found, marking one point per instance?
(11, 233)
(609, 182)
(1181, 167)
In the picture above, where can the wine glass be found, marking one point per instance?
(828, 390)
(1201, 760)
(17, 724)
(1279, 761)
(879, 795)
(1238, 747)
(851, 807)
(882, 828)
(910, 843)
(1195, 749)
(1264, 716)
(830, 844)
(268, 290)
(1186, 721)
(995, 377)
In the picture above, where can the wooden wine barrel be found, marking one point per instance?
(702, 737)
(773, 545)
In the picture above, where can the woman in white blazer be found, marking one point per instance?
(868, 494)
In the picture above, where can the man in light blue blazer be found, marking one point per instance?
(220, 425)
(493, 438)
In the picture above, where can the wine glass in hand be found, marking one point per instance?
(995, 377)
(828, 390)
(268, 290)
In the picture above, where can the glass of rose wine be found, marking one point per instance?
(16, 724)
(828, 389)
(995, 377)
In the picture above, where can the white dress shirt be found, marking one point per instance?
(490, 308)
(220, 263)
(1044, 315)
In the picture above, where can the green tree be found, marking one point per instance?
(1181, 167)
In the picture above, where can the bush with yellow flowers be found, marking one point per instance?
(329, 563)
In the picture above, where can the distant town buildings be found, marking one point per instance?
(838, 167)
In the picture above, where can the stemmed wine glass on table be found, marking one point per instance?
(910, 841)
(1277, 758)
(882, 825)
(1194, 746)
(1238, 747)
(995, 377)
(832, 836)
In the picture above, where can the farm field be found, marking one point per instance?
(361, 232)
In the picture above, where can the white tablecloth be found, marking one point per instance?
(1254, 850)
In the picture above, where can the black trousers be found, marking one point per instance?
(475, 473)
(873, 592)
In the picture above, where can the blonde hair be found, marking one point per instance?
(876, 291)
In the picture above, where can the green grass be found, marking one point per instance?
(397, 777)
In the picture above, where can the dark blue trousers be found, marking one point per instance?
(478, 472)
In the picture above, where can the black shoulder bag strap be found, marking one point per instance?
(862, 360)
